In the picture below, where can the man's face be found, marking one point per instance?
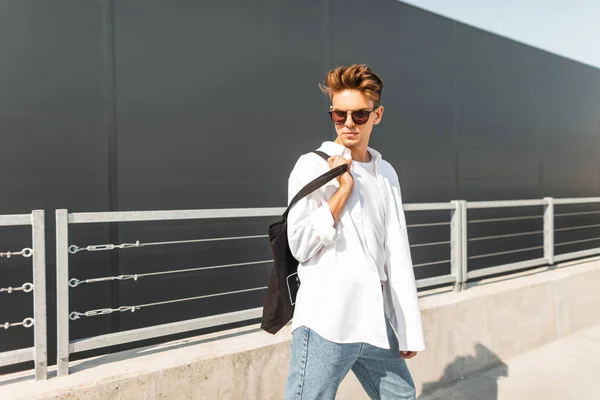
(349, 134)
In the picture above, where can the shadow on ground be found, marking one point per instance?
(485, 363)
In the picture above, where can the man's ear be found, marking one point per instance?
(378, 115)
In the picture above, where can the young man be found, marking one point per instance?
(357, 307)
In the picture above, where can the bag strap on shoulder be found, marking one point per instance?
(324, 155)
(317, 182)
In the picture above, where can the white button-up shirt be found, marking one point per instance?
(340, 295)
(373, 209)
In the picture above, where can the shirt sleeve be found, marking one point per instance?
(310, 224)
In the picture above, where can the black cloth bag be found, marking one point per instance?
(278, 306)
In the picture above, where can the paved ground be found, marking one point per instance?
(568, 369)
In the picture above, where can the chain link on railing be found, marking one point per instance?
(105, 311)
(26, 252)
(73, 249)
(74, 282)
(101, 311)
(26, 323)
(26, 287)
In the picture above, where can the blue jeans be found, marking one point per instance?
(317, 367)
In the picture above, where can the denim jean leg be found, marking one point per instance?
(317, 366)
(382, 373)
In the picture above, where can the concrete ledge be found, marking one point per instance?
(465, 332)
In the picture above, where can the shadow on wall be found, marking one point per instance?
(485, 387)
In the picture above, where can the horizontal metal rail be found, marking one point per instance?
(172, 215)
(15, 220)
(577, 254)
(505, 204)
(17, 356)
(500, 269)
(428, 206)
(112, 339)
(585, 200)
(435, 281)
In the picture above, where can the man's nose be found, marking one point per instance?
(349, 121)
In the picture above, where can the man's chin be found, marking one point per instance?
(350, 142)
(347, 142)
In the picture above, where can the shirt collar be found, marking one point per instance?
(335, 149)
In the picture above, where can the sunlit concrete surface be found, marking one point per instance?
(568, 368)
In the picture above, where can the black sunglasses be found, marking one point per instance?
(359, 117)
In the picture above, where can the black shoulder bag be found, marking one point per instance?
(278, 307)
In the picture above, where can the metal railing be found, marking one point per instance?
(37, 353)
(65, 346)
(458, 261)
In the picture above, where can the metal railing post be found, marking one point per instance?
(62, 291)
(39, 295)
(456, 244)
(549, 230)
(463, 240)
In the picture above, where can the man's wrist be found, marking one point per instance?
(345, 189)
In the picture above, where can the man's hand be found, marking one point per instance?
(346, 180)
(407, 355)
(339, 199)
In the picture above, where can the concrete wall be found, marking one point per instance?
(465, 332)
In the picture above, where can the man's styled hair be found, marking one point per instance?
(354, 77)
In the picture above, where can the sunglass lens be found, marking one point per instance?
(338, 117)
(360, 117)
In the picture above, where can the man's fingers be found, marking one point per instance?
(407, 355)
(336, 161)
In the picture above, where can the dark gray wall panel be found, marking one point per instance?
(572, 173)
(51, 106)
(498, 91)
(216, 103)
(499, 173)
(424, 178)
(53, 143)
